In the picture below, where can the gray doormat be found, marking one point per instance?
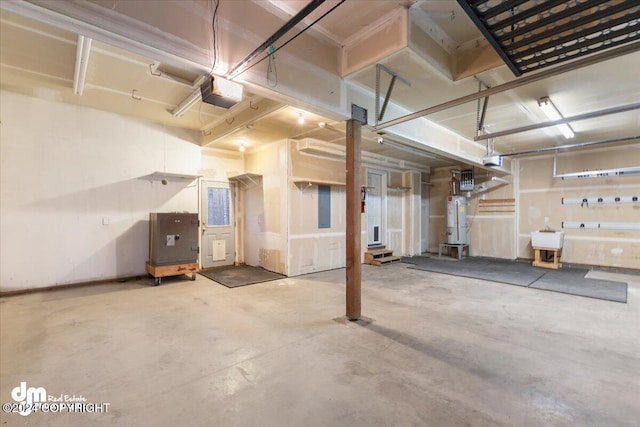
(572, 281)
(511, 273)
(241, 275)
(568, 280)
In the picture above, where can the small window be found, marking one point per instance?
(218, 212)
(324, 206)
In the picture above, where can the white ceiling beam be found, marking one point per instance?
(241, 117)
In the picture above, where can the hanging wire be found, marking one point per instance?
(272, 72)
(288, 41)
(478, 110)
(214, 30)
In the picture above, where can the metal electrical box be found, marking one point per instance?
(173, 238)
(466, 180)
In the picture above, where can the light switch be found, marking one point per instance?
(105, 220)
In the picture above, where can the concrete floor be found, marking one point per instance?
(441, 351)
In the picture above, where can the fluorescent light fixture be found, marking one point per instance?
(83, 48)
(187, 103)
(221, 92)
(550, 110)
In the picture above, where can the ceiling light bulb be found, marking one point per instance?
(300, 119)
(321, 124)
(242, 148)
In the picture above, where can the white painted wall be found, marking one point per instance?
(65, 169)
(265, 209)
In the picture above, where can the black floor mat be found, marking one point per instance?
(511, 273)
(242, 275)
(567, 280)
(415, 260)
(572, 281)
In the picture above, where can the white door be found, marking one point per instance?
(373, 208)
(217, 224)
(424, 218)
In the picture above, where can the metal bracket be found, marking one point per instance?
(394, 76)
(359, 113)
(153, 69)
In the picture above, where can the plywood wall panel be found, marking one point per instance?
(492, 237)
(316, 168)
(304, 210)
(318, 253)
(541, 205)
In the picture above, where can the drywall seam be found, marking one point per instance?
(24, 70)
(200, 217)
(288, 173)
(515, 182)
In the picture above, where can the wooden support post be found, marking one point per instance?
(354, 232)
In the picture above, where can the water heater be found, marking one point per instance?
(456, 220)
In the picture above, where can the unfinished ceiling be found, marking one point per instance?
(438, 50)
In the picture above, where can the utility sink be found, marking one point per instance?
(547, 239)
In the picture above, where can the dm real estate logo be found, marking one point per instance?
(28, 397)
(35, 399)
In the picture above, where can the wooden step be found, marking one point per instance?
(379, 252)
(374, 247)
(384, 260)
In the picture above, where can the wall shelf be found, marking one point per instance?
(304, 184)
(170, 176)
(247, 180)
